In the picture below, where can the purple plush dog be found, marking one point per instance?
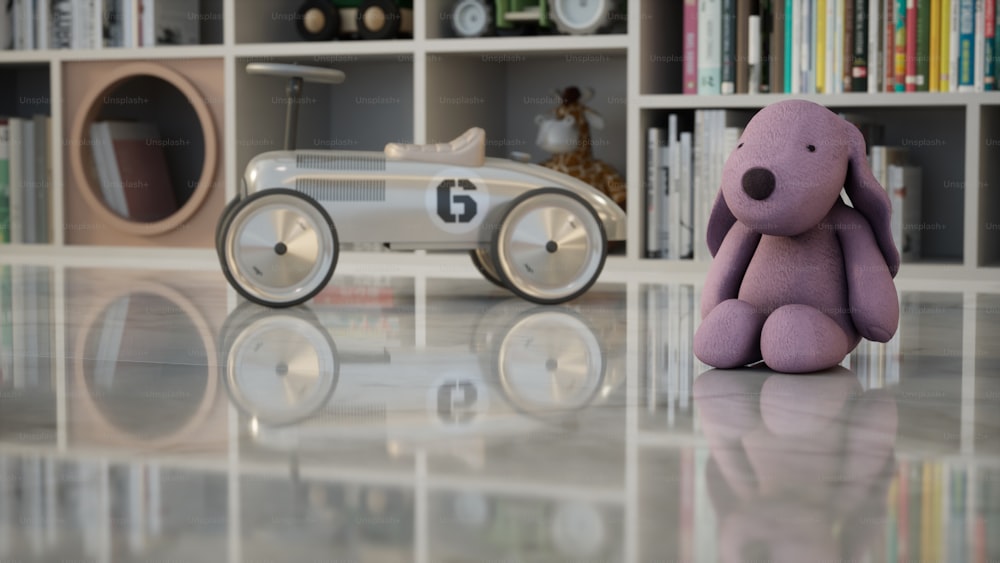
(798, 276)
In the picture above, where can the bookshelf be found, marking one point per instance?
(428, 87)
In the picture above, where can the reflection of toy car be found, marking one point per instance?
(475, 18)
(321, 20)
(540, 233)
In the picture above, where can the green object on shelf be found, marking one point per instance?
(504, 7)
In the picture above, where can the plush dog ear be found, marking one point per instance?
(719, 223)
(870, 198)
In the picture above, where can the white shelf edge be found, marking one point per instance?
(550, 45)
(341, 50)
(139, 53)
(902, 100)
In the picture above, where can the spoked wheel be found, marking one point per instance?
(580, 17)
(484, 264)
(318, 20)
(471, 18)
(279, 248)
(279, 367)
(550, 247)
(378, 19)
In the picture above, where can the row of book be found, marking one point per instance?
(132, 170)
(834, 46)
(684, 171)
(93, 24)
(25, 179)
(26, 328)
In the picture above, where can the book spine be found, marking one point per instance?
(16, 209)
(990, 53)
(672, 225)
(755, 70)
(889, 46)
(776, 51)
(834, 18)
(944, 39)
(875, 46)
(4, 182)
(728, 70)
(953, 44)
(978, 57)
(847, 48)
(686, 207)
(788, 46)
(690, 47)
(809, 47)
(42, 26)
(859, 64)
(6, 25)
(654, 168)
(966, 45)
(709, 46)
(911, 45)
(741, 62)
(795, 47)
(29, 185)
(923, 45)
(819, 45)
(934, 62)
(996, 51)
(899, 63)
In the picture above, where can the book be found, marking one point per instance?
(28, 182)
(741, 62)
(143, 181)
(107, 172)
(728, 49)
(686, 196)
(61, 36)
(655, 138)
(875, 34)
(899, 42)
(820, 45)
(934, 61)
(16, 189)
(6, 24)
(756, 74)
(42, 27)
(989, 49)
(979, 46)
(859, 54)
(910, 79)
(923, 46)
(4, 182)
(690, 47)
(966, 45)
(709, 47)
(776, 47)
(889, 46)
(43, 174)
(904, 186)
(670, 154)
(791, 42)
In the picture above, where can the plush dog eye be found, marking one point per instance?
(811, 148)
(739, 146)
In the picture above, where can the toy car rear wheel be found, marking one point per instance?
(317, 20)
(580, 18)
(551, 246)
(220, 227)
(471, 18)
(485, 265)
(378, 19)
(279, 248)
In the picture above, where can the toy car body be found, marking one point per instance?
(321, 20)
(540, 233)
(475, 18)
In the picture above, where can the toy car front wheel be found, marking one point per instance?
(550, 247)
(318, 20)
(580, 17)
(471, 18)
(378, 19)
(279, 248)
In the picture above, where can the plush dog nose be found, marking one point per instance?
(758, 183)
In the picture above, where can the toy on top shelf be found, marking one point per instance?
(540, 233)
(567, 137)
(322, 20)
(798, 276)
(476, 18)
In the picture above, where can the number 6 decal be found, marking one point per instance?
(449, 202)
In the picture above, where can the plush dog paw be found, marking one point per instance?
(802, 339)
(729, 336)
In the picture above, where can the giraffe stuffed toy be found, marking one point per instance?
(567, 137)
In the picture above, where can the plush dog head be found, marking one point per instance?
(787, 172)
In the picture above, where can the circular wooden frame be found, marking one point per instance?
(80, 155)
(105, 427)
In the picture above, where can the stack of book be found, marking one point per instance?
(834, 46)
(26, 329)
(684, 171)
(92, 24)
(132, 169)
(25, 179)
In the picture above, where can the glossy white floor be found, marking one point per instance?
(144, 416)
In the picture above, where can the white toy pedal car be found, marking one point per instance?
(540, 233)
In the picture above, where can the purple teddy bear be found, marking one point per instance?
(798, 276)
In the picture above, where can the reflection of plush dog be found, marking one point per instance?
(798, 275)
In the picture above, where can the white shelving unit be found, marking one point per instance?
(430, 87)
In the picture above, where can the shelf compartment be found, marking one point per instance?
(439, 24)
(183, 98)
(989, 187)
(373, 106)
(277, 21)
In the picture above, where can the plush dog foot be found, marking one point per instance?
(801, 339)
(729, 336)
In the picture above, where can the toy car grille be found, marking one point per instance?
(322, 189)
(366, 163)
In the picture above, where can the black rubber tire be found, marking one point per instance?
(331, 20)
(393, 19)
